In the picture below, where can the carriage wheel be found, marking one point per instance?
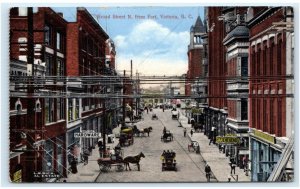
(104, 167)
(120, 167)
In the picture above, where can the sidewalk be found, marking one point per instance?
(90, 172)
(218, 162)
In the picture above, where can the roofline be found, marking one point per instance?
(261, 15)
(93, 19)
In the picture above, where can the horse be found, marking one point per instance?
(148, 130)
(133, 159)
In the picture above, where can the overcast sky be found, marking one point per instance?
(151, 36)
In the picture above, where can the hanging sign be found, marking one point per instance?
(87, 134)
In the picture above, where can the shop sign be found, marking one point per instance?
(227, 140)
(264, 136)
(41, 174)
(87, 134)
(17, 176)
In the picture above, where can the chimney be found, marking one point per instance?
(61, 14)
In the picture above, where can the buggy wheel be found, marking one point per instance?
(120, 167)
(104, 167)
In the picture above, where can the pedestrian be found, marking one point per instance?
(208, 172)
(147, 110)
(184, 132)
(74, 166)
(192, 132)
(165, 130)
(212, 135)
(233, 165)
(86, 154)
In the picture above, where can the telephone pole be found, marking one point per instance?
(31, 117)
(124, 103)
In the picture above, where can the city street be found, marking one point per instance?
(189, 164)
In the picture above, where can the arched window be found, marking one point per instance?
(18, 106)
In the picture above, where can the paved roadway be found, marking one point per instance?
(189, 164)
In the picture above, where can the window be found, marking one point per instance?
(271, 116)
(48, 156)
(279, 51)
(49, 110)
(244, 109)
(244, 65)
(60, 108)
(58, 41)
(271, 58)
(48, 32)
(279, 117)
(70, 110)
(77, 108)
(60, 68)
(49, 65)
(265, 115)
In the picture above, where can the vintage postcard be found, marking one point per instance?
(183, 94)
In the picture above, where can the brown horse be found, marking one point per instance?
(147, 130)
(133, 159)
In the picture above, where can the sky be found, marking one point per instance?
(155, 38)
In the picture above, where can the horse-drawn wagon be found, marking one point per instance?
(167, 136)
(154, 116)
(115, 159)
(126, 137)
(168, 161)
(194, 145)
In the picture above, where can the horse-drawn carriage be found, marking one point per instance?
(117, 160)
(126, 137)
(194, 145)
(141, 132)
(154, 116)
(168, 161)
(167, 136)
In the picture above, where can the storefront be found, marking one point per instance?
(53, 160)
(264, 155)
(72, 143)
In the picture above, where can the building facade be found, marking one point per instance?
(236, 43)
(86, 59)
(216, 110)
(271, 104)
(45, 147)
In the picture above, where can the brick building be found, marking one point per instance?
(85, 58)
(216, 112)
(236, 43)
(195, 54)
(47, 120)
(271, 106)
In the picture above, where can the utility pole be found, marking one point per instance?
(103, 130)
(124, 89)
(31, 117)
(131, 69)
(136, 93)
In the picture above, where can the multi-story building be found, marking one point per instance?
(43, 127)
(216, 112)
(236, 43)
(85, 59)
(271, 116)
